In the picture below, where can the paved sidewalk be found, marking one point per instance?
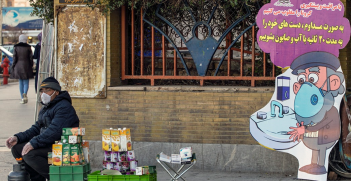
(15, 117)
(18, 117)
(199, 175)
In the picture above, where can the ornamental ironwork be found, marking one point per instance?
(202, 30)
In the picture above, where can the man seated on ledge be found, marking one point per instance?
(35, 143)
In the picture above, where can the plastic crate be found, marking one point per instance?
(152, 169)
(72, 173)
(95, 176)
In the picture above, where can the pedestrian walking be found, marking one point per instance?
(22, 66)
(37, 56)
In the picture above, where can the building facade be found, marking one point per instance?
(214, 120)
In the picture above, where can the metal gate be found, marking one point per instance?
(205, 43)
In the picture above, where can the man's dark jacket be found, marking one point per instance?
(328, 128)
(58, 114)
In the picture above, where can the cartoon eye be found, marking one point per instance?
(313, 78)
(301, 79)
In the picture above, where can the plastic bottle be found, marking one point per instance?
(19, 173)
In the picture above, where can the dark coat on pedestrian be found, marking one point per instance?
(58, 114)
(22, 62)
(37, 56)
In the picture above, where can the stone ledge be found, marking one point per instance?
(4, 149)
(210, 157)
(127, 88)
(192, 88)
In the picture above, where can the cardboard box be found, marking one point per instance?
(123, 141)
(57, 154)
(109, 166)
(176, 159)
(139, 171)
(114, 156)
(122, 156)
(75, 154)
(145, 170)
(186, 160)
(115, 140)
(125, 166)
(133, 166)
(104, 165)
(130, 155)
(66, 154)
(72, 139)
(50, 158)
(106, 139)
(85, 146)
(64, 139)
(186, 152)
(117, 166)
(73, 131)
(126, 140)
(129, 140)
(165, 158)
(81, 155)
(107, 156)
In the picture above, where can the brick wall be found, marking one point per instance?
(175, 116)
(200, 116)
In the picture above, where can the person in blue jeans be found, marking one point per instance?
(22, 66)
(23, 86)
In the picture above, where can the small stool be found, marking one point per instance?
(177, 174)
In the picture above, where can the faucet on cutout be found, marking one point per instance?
(280, 106)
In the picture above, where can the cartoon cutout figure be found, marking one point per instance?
(318, 119)
(314, 118)
(302, 117)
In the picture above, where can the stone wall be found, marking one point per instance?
(211, 157)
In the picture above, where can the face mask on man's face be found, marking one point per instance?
(45, 98)
(310, 99)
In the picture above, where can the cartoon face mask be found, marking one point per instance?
(309, 100)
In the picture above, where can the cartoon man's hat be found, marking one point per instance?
(314, 59)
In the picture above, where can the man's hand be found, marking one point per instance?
(299, 130)
(27, 148)
(11, 141)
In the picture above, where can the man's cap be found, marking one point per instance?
(52, 83)
(315, 59)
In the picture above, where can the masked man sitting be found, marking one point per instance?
(35, 143)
